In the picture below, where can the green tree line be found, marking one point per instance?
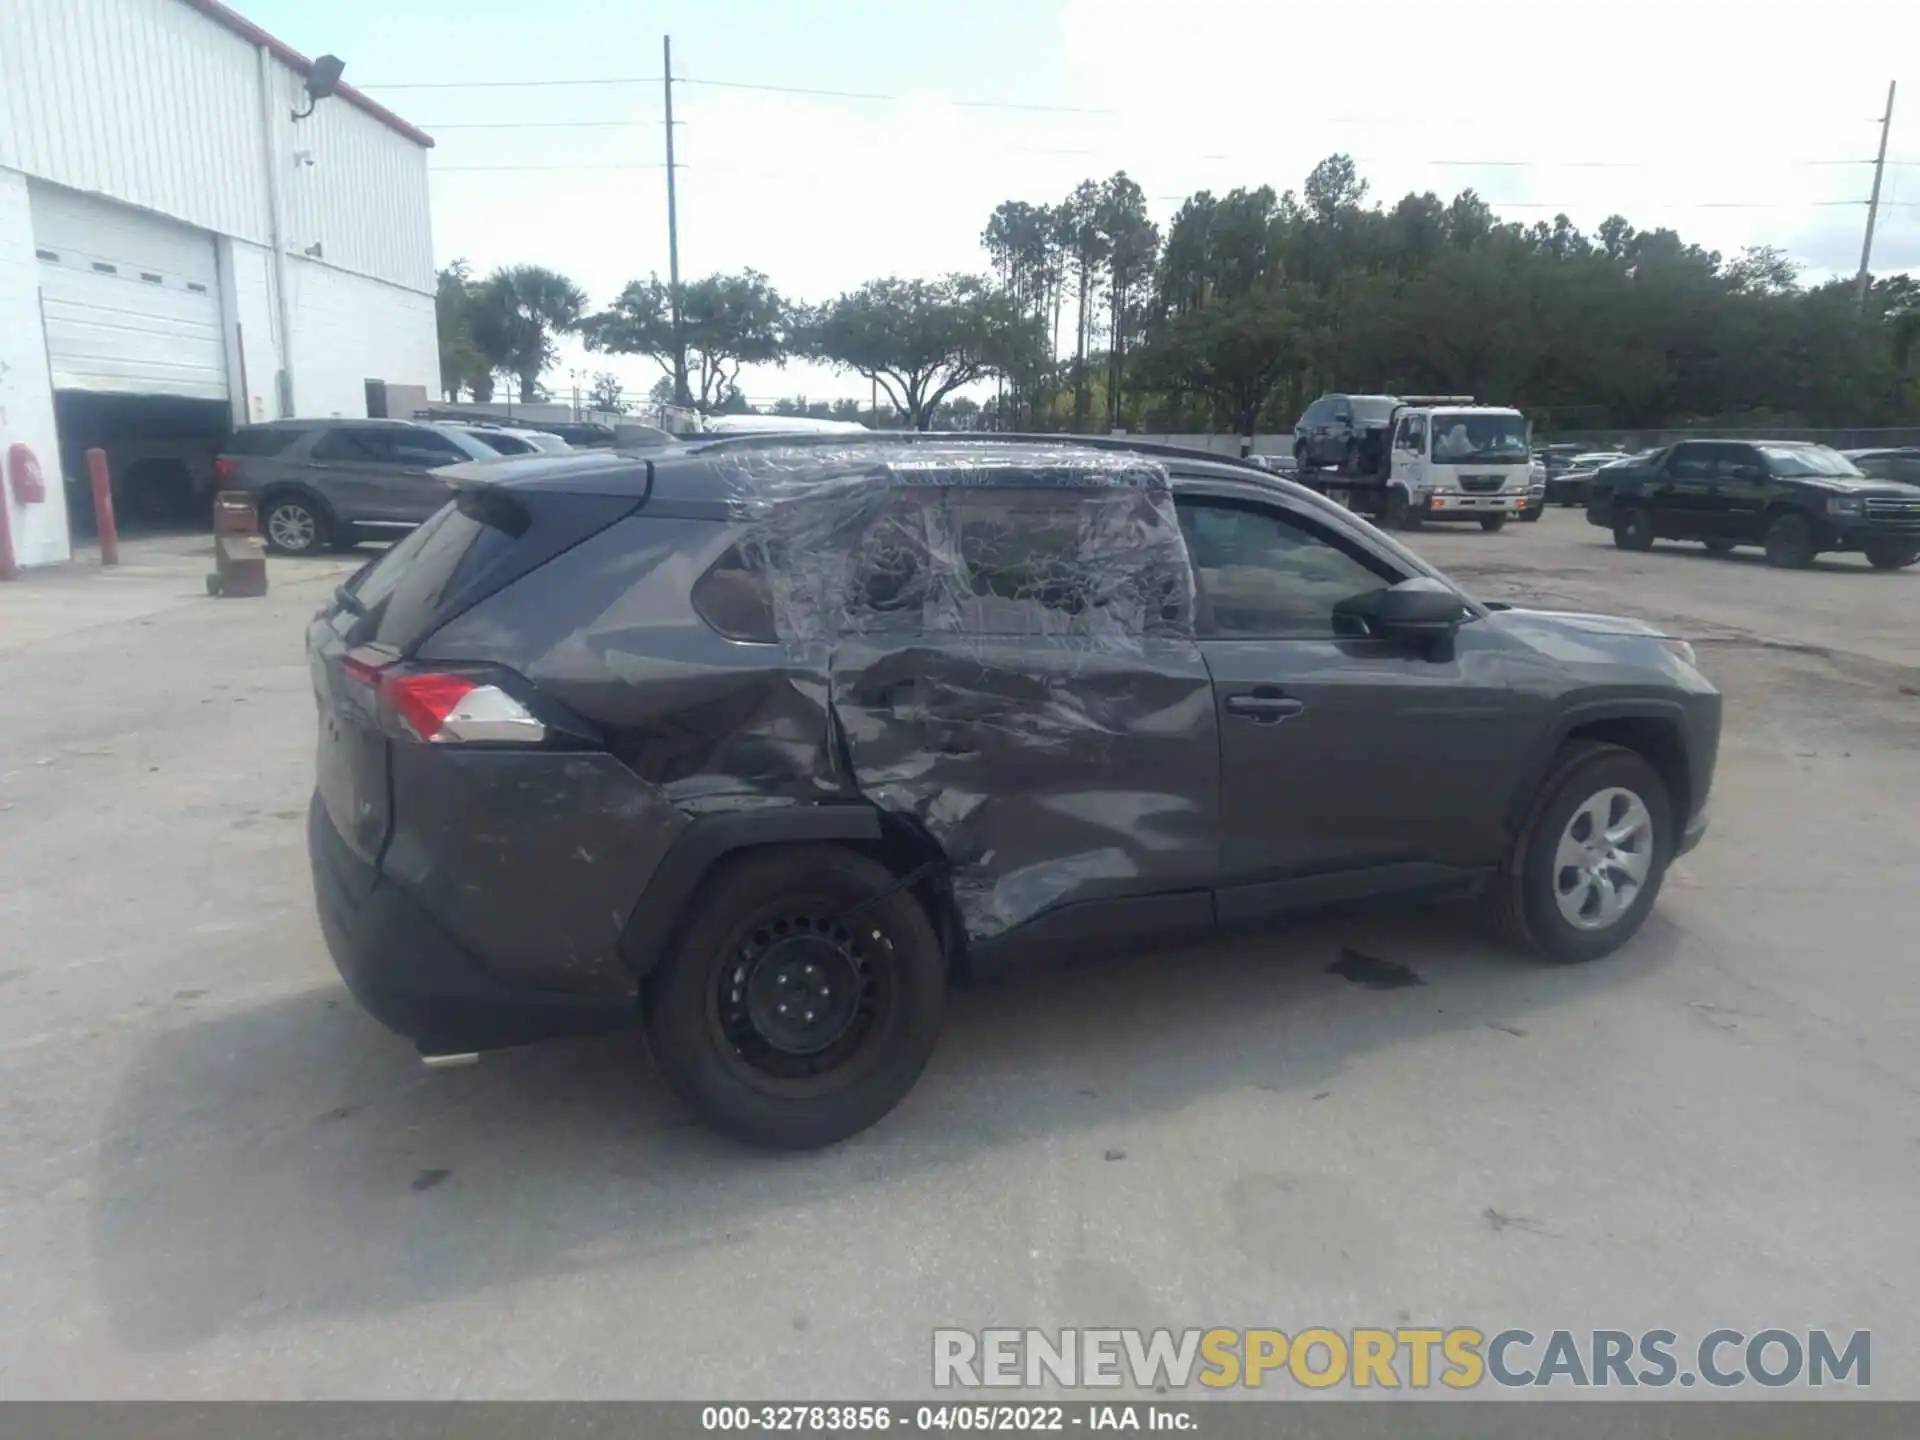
(1250, 304)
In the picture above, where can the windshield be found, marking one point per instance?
(1793, 460)
(1478, 439)
(1373, 409)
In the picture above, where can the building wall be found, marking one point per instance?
(26, 397)
(154, 104)
(253, 347)
(145, 101)
(348, 329)
(353, 188)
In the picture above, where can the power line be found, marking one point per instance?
(512, 84)
(1214, 155)
(809, 90)
(565, 167)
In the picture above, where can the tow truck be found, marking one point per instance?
(1439, 457)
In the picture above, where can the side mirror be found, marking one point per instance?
(1416, 609)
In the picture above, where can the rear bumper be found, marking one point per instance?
(415, 978)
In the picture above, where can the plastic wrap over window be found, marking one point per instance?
(963, 541)
(1006, 636)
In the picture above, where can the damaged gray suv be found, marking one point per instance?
(763, 741)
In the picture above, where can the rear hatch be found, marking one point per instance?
(493, 532)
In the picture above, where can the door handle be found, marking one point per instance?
(1264, 709)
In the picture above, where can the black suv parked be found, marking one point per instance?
(764, 739)
(1347, 432)
(1795, 499)
(323, 484)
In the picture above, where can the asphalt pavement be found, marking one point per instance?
(219, 1179)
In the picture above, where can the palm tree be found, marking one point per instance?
(517, 313)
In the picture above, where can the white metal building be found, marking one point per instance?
(168, 229)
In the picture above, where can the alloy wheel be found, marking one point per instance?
(1604, 858)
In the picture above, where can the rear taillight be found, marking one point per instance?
(441, 708)
(457, 710)
(224, 469)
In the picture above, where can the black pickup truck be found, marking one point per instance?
(1794, 499)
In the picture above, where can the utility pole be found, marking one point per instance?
(1873, 204)
(680, 396)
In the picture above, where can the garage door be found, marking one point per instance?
(132, 302)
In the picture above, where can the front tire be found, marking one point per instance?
(1790, 542)
(1493, 523)
(294, 525)
(1400, 513)
(802, 1000)
(1589, 862)
(1891, 554)
(1633, 528)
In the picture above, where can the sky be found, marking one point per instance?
(1735, 125)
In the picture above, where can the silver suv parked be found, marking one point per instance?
(329, 484)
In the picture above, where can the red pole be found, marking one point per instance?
(9, 567)
(103, 507)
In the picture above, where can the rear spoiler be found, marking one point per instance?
(579, 472)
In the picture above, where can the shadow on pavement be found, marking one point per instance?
(292, 1162)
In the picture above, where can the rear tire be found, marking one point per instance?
(1532, 517)
(294, 524)
(1891, 554)
(1633, 528)
(1719, 547)
(1493, 523)
(1563, 902)
(1790, 542)
(866, 988)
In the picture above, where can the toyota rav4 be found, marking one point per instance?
(763, 741)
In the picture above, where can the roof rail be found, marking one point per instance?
(706, 443)
(1438, 400)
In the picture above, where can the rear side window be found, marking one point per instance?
(735, 599)
(426, 447)
(347, 443)
(1691, 462)
(263, 439)
(1021, 552)
(401, 592)
(1010, 561)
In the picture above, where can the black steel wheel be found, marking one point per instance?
(802, 1000)
(1633, 528)
(1790, 542)
(1891, 554)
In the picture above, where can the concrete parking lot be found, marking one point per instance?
(219, 1179)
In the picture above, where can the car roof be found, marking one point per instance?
(705, 468)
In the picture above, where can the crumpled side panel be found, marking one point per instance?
(1009, 659)
(1047, 773)
(713, 725)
